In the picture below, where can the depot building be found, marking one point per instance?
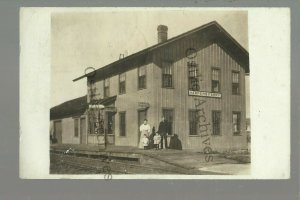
(196, 80)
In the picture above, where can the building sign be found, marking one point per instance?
(204, 94)
(96, 106)
(143, 105)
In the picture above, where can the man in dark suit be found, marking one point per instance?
(163, 130)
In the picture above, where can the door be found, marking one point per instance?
(58, 131)
(142, 115)
(83, 135)
(110, 124)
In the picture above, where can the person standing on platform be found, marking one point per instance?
(157, 140)
(163, 130)
(145, 132)
(145, 142)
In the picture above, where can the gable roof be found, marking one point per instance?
(77, 107)
(74, 107)
(227, 41)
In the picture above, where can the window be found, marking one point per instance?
(235, 82)
(95, 121)
(193, 76)
(142, 77)
(215, 80)
(167, 75)
(122, 83)
(169, 116)
(92, 89)
(76, 127)
(216, 122)
(106, 87)
(236, 122)
(110, 123)
(193, 122)
(122, 123)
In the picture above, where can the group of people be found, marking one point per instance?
(154, 139)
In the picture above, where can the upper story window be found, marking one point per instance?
(142, 77)
(167, 75)
(122, 83)
(193, 73)
(92, 89)
(235, 83)
(215, 80)
(106, 87)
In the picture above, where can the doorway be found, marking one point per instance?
(142, 115)
(110, 124)
(83, 135)
(58, 131)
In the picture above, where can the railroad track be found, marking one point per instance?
(95, 165)
(109, 166)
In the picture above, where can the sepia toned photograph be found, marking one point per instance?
(201, 94)
(150, 92)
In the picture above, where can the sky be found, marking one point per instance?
(94, 38)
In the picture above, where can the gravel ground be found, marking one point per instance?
(62, 164)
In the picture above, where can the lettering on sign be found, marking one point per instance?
(204, 94)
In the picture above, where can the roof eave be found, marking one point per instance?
(167, 42)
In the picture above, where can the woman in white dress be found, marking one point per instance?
(144, 132)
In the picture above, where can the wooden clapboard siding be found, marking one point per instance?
(66, 133)
(208, 56)
(128, 102)
(215, 48)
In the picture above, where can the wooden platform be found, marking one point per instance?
(177, 161)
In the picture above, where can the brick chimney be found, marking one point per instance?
(162, 33)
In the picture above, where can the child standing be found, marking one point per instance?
(157, 139)
(145, 141)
